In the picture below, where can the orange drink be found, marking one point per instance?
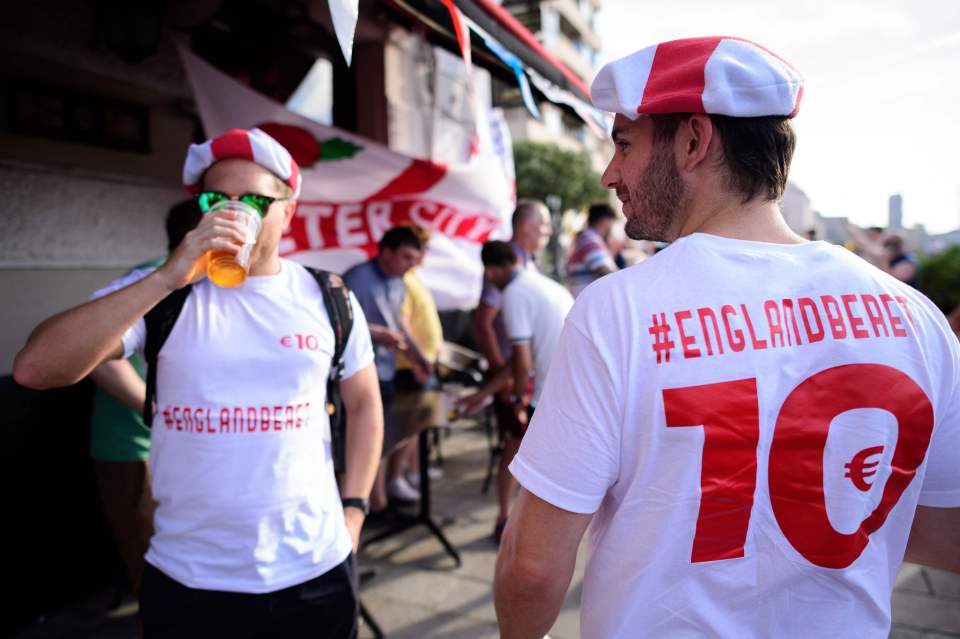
(226, 269)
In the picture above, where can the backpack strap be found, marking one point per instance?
(336, 299)
(159, 320)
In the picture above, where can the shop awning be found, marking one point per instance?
(499, 23)
(502, 26)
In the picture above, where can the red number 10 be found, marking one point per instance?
(729, 415)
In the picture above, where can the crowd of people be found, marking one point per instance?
(676, 407)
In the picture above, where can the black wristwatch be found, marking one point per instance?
(355, 502)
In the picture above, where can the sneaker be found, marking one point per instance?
(401, 490)
(413, 478)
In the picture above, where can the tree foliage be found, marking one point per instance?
(939, 278)
(546, 169)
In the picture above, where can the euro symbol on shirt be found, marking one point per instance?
(859, 469)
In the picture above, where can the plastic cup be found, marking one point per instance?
(451, 396)
(226, 269)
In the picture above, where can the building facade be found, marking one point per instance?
(567, 28)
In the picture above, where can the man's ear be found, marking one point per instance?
(693, 140)
(288, 212)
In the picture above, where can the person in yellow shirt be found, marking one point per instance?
(419, 312)
(421, 322)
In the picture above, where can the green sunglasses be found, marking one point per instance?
(261, 203)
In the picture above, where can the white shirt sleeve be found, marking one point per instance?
(135, 338)
(941, 482)
(517, 317)
(570, 455)
(358, 353)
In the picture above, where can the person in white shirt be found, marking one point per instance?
(251, 536)
(757, 429)
(534, 307)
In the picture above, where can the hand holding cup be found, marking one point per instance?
(218, 230)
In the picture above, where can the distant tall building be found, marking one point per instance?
(895, 208)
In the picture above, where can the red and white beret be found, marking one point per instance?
(718, 75)
(253, 145)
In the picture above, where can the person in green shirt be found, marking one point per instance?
(119, 440)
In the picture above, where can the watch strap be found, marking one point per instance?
(356, 502)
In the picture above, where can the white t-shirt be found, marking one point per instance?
(534, 307)
(240, 443)
(727, 409)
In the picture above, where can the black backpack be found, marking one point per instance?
(336, 298)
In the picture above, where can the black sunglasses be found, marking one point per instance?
(261, 203)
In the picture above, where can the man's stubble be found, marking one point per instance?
(657, 197)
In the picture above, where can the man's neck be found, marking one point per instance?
(758, 220)
(513, 275)
(378, 262)
(268, 266)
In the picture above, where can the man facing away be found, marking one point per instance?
(590, 258)
(251, 537)
(759, 427)
(531, 232)
(534, 307)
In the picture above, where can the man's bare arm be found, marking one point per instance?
(486, 337)
(120, 379)
(392, 339)
(64, 349)
(364, 410)
(473, 402)
(522, 360)
(534, 566)
(871, 249)
(935, 538)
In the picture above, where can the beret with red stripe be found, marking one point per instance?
(253, 145)
(717, 75)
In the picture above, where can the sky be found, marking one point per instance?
(881, 102)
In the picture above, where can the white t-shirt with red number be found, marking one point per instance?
(754, 426)
(240, 443)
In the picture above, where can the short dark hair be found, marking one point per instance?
(181, 219)
(497, 253)
(400, 236)
(757, 151)
(524, 210)
(599, 212)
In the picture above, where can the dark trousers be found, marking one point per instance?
(129, 506)
(325, 606)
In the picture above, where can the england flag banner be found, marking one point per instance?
(354, 190)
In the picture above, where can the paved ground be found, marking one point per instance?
(417, 592)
